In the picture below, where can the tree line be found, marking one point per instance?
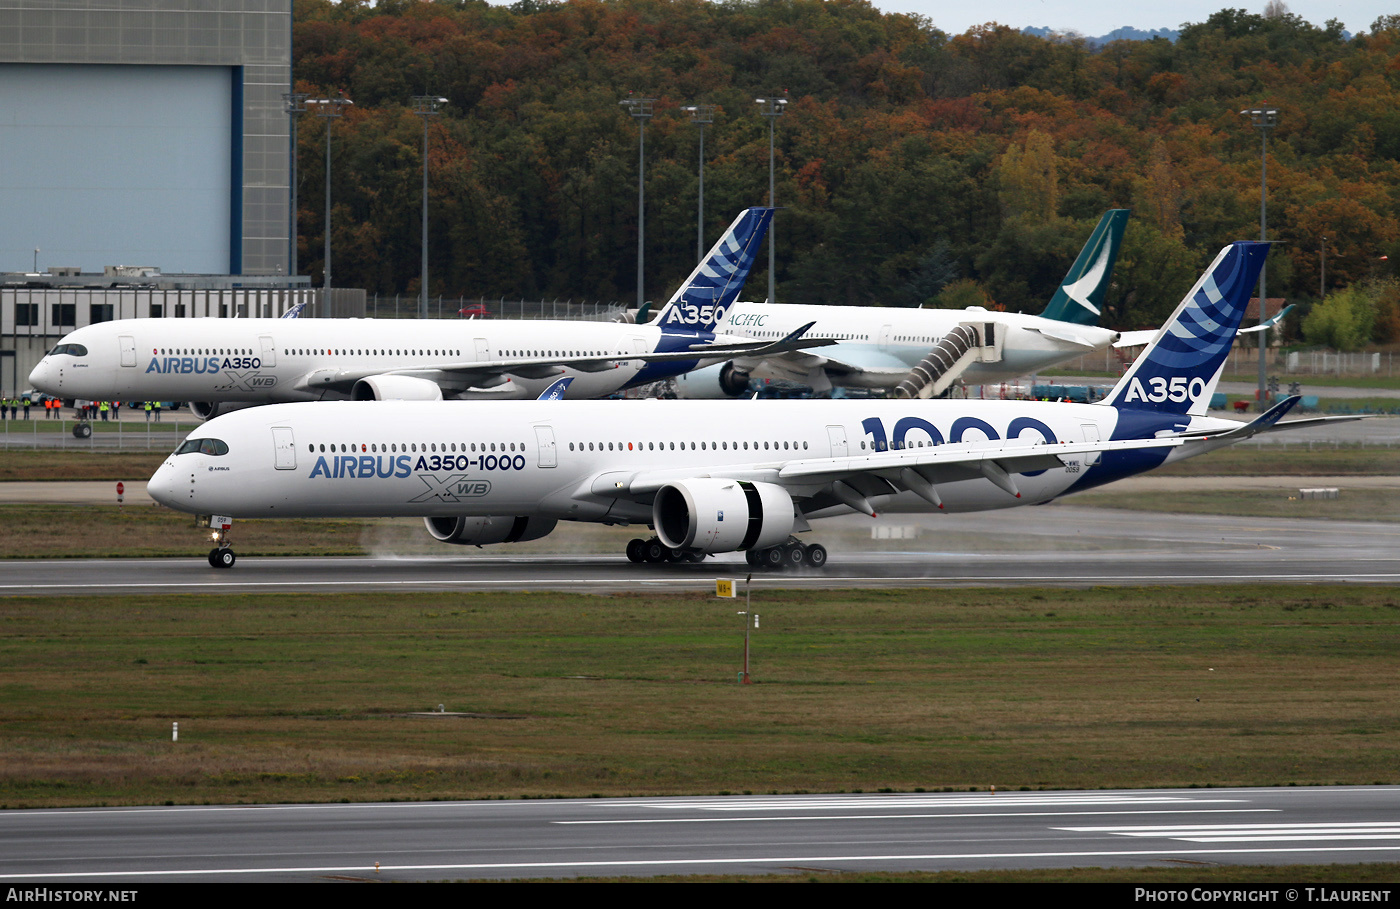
(914, 167)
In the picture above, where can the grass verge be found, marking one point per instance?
(291, 698)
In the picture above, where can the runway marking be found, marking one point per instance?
(781, 860)
(888, 817)
(941, 800)
(1267, 833)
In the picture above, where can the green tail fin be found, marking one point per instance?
(1079, 298)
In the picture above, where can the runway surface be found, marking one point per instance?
(724, 835)
(1065, 546)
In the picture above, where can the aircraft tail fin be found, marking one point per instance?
(701, 300)
(1177, 373)
(1079, 298)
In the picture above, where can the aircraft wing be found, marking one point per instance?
(853, 478)
(1136, 338)
(461, 375)
(846, 361)
(1065, 331)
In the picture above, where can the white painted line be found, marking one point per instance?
(887, 817)
(806, 860)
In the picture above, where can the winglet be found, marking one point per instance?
(1262, 423)
(1270, 322)
(555, 392)
(701, 300)
(1080, 295)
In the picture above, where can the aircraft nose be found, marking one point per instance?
(42, 375)
(163, 486)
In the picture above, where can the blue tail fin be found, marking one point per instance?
(1178, 371)
(1080, 295)
(704, 296)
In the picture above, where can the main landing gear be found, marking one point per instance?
(790, 555)
(655, 551)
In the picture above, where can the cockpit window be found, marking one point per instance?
(72, 350)
(203, 446)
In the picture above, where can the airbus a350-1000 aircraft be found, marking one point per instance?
(222, 364)
(709, 476)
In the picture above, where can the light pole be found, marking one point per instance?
(425, 106)
(1322, 280)
(294, 103)
(700, 115)
(1264, 119)
(772, 108)
(640, 109)
(330, 110)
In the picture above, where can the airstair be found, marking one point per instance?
(968, 343)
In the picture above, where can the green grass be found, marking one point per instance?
(1354, 504)
(307, 697)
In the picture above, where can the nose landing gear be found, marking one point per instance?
(221, 556)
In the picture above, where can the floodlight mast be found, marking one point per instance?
(772, 108)
(640, 110)
(425, 106)
(329, 109)
(700, 115)
(1264, 119)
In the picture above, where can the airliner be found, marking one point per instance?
(224, 364)
(881, 346)
(710, 476)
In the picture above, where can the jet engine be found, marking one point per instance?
(722, 381)
(494, 529)
(715, 515)
(395, 388)
(208, 410)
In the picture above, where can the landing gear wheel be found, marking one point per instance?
(222, 558)
(773, 557)
(795, 556)
(656, 551)
(82, 430)
(754, 557)
(676, 555)
(694, 555)
(636, 551)
(816, 555)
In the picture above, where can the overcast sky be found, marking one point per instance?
(1098, 17)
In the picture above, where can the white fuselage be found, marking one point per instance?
(284, 360)
(887, 342)
(574, 460)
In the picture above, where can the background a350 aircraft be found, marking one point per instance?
(222, 364)
(880, 347)
(714, 477)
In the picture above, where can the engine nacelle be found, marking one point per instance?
(208, 410)
(722, 381)
(714, 515)
(395, 388)
(493, 529)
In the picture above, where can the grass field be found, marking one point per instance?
(314, 698)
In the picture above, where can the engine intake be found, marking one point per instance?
(716, 515)
(722, 381)
(395, 388)
(470, 531)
